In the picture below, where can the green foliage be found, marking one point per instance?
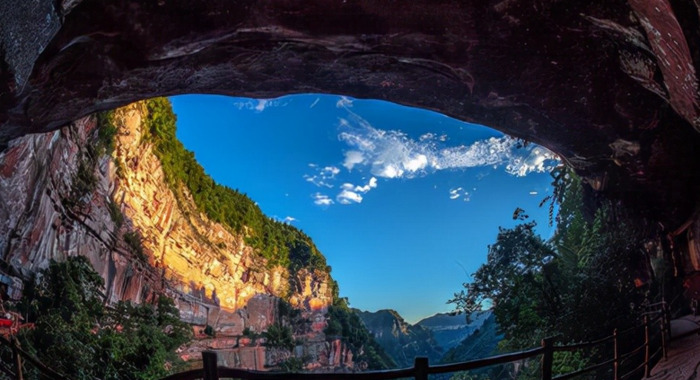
(292, 365)
(83, 183)
(278, 242)
(84, 180)
(578, 286)
(82, 339)
(279, 336)
(115, 213)
(135, 244)
(342, 322)
(106, 130)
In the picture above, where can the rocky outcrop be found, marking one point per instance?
(63, 196)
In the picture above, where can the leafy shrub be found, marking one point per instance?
(115, 213)
(279, 336)
(83, 339)
(292, 365)
(106, 131)
(133, 241)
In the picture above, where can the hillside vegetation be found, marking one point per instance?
(577, 286)
(280, 243)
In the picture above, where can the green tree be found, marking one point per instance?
(279, 336)
(578, 286)
(344, 323)
(83, 339)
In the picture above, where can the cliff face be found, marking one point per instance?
(64, 196)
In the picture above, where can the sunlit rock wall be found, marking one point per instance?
(215, 278)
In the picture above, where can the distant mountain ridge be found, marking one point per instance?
(432, 337)
(450, 330)
(401, 340)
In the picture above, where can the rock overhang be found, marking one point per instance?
(611, 86)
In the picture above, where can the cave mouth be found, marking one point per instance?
(394, 192)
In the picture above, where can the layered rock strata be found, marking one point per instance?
(49, 213)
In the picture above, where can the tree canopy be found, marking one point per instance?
(579, 285)
(77, 335)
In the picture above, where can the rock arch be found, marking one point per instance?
(609, 85)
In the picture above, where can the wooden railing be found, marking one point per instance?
(654, 332)
(421, 369)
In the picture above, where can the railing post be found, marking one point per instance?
(663, 334)
(547, 358)
(667, 318)
(647, 345)
(211, 372)
(616, 356)
(17, 358)
(420, 365)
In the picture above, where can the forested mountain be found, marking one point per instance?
(449, 330)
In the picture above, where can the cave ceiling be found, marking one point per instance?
(609, 85)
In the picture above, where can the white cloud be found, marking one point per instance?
(289, 219)
(369, 186)
(459, 192)
(353, 158)
(314, 103)
(259, 105)
(344, 102)
(348, 195)
(427, 136)
(262, 103)
(323, 177)
(322, 199)
(533, 193)
(393, 154)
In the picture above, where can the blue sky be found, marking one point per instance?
(402, 201)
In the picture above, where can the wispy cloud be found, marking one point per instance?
(393, 154)
(459, 192)
(323, 176)
(314, 103)
(352, 158)
(259, 105)
(350, 193)
(322, 199)
(344, 102)
(289, 219)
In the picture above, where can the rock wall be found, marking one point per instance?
(215, 278)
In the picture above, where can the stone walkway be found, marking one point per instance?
(683, 362)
